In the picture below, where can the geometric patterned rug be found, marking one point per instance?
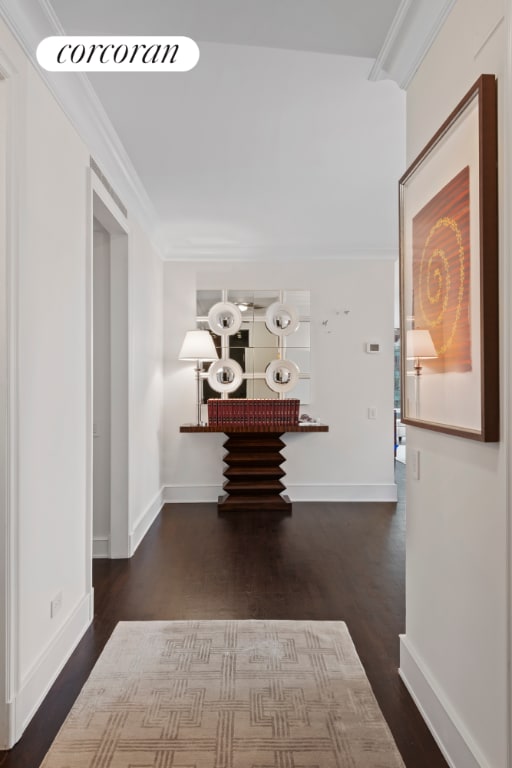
(226, 694)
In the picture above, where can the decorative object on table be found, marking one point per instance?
(253, 411)
(281, 319)
(198, 346)
(419, 347)
(226, 692)
(225, 375)
(305, 419)
(282, 375)
(225, 318)
(449, 272)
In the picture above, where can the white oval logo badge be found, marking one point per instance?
(78, 53)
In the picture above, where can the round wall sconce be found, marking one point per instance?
(281, 375)
(225, 375)
(281, 319)
(224, 318)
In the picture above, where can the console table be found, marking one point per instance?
(254, 472)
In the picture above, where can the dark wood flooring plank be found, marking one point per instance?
(325, 561)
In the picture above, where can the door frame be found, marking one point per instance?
(9, 466)
(104, 208)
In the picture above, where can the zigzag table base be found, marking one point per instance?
(254, 472)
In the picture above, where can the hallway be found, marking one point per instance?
(329, 561)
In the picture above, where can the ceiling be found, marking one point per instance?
(350, 27)
(277, 145)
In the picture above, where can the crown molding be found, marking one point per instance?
(390, 41)
(30, 22)
(410, 36)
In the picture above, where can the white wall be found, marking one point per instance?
(351, 304)
(48, 523)
(146, 384)
(454, 652)
(52, 543)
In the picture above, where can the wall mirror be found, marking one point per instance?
(263, 342)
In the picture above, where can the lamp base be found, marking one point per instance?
(198, 393)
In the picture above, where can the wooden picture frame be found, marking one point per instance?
(448, 211)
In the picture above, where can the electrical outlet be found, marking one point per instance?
(55, 605)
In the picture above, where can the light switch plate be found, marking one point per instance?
(415, 463)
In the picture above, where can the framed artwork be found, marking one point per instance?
(449, 274)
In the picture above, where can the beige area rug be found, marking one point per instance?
(226, 694)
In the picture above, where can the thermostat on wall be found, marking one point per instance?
(372, 347)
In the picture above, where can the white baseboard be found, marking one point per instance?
(36, 683)
(451, 736)
(191, 494)
(101, 546)
(145, 521)
(182, 494)
(7, 733)
(342, 492)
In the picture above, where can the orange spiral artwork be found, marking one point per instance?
(441, 275)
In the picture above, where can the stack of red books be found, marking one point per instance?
(257, 411)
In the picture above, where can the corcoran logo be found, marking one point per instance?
(78, 53)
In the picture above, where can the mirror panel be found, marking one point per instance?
(254, 345)
(302, 391)
(205, 301)
(259, 388)
(301, 356)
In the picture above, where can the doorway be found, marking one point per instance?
(101, 409)
(5, 457)
(109, 379)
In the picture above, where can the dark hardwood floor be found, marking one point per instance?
(325, 561)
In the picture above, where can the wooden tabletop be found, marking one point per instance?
(281, 428)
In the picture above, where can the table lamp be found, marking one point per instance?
(198, 346)
(419, 346)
